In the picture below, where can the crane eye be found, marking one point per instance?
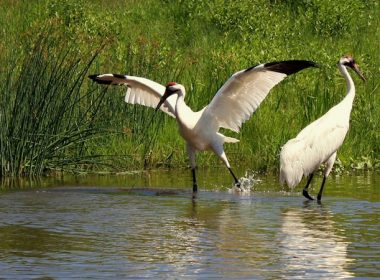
(349, 63)
(171, 90)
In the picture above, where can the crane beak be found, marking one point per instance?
(163, 99)
(356, 68)
(168, 92)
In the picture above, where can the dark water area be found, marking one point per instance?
(146, 225)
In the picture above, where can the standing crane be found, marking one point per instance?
(318, 142)
(233, 104)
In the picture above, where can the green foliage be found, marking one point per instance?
(330, 18)
(45, 117)
(79, 21)
(197, 43)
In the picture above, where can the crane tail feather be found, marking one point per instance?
(291, 168)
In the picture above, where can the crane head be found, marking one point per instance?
(171, 88)
(349, 61)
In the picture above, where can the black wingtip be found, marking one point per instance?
(95, 78)
(108, 79)
(289, 67)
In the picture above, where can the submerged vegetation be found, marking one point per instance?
(52, 118)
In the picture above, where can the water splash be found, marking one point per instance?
(247, 183)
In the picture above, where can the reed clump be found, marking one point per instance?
(46, 116)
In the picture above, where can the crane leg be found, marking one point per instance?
(319, 197)
(329, 165)
(191, 152)
(195, 185)
(305, 192)
(237, 183)
(218, 149)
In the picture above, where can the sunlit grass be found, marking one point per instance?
(57, 119)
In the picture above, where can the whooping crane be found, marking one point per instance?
(233, 104)
(318, 142)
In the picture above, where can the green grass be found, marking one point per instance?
(45, 116)
(58, 120)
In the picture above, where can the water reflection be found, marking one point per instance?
(85, 230)
(26, 241)
(244, 235)
(311, 244)
(172, 236)
(15, 183)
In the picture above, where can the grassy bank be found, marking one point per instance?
(53, 118)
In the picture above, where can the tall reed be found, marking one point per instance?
(45, 116)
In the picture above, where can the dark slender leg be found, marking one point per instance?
(321, 189)
(304, 192)
(237, 183)
(195, 185)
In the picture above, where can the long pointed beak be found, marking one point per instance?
(162, 100)
(357, 70)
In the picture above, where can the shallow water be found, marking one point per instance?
(146, 225)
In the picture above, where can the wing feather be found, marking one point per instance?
(241, 95)
(139, 90)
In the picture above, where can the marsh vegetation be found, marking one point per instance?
(53, 119)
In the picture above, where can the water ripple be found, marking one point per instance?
(98, 232)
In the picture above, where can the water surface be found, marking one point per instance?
(146, 225)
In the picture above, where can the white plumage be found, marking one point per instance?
(140, 91)
(233, 104)
(318, 142)
(240, 96)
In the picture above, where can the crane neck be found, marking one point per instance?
(182, 111)
(349, 81)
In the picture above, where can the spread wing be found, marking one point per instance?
(241, 95)
(140, 91)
